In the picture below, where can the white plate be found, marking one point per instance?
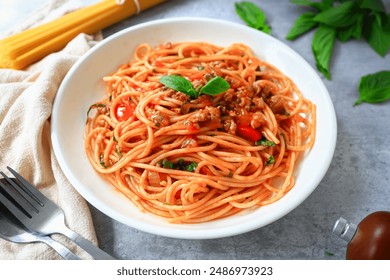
(83, 86)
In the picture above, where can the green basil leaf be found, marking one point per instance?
(215, 86)
(386, 23)
(374, 5)
(378, 33)
(179, 83)
(266, 29)
(322, 47)
(339, 16)
(380, 18)
(327, 4)
(303, 24)
(192, 93)
(252, 15)
(352, 31)
(374, 88)
(307, 3)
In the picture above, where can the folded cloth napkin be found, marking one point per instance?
(26, 99)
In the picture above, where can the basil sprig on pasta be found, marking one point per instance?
(215, 86)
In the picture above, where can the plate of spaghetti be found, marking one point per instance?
(181, 131)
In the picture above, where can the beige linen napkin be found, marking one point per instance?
(26, 99)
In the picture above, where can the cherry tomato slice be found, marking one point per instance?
(248, 133)
(124, 111)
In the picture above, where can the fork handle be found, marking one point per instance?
(64, 252)
(89, 247)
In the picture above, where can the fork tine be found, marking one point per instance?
(28, 188)
(12, 208)
(16, 196)
(20, 190)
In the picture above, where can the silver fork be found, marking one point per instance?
(13, 231)
(39, 214)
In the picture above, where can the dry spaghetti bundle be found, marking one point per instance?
(195, 158)
(22, 49)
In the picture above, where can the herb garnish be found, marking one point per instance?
(96, 105)
(166, 164)
(374, 88)
(179, 165)
(117, 149)
(351, 19)
(265, 142)
(215, 86)
(101, 160)
(252, 15)
(191, 167)
(270, 160)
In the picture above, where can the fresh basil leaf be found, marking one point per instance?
(378, 33)
(192, 93)
(380, 18)
(307, 3)
(252, 15)
(176, 82)
(179, 83)
(266, 29)
(374, 88)
(339, 16)
(386, 23)
(374, 5)
(322, 47)
(327, 4)
(215, 86)
(352, 31)
(303, 24)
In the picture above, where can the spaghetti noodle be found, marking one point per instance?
(192, 160)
